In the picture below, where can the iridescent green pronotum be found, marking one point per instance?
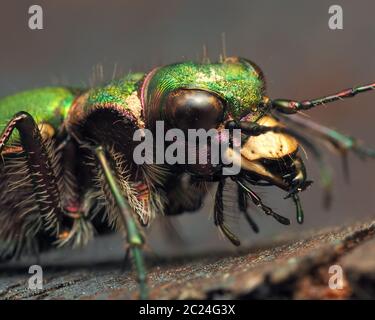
(67, 169)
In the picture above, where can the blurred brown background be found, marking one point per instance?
(301, 57)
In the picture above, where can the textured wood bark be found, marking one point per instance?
(290, 269)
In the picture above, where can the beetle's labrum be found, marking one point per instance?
(68, 154)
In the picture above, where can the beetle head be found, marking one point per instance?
(205, 96)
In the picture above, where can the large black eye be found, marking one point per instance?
(193, 109)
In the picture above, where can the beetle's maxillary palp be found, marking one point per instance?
(299, 209)
(242, 204)
(259, 203)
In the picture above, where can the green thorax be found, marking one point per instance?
(117, 92)
(235, 80)
(121, 94)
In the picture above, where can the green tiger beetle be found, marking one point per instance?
(67, 171)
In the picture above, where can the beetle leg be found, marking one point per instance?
(134, 237)
(242, 204)
(219, 214)
(40, 165)
(79, 227)
(291, 106)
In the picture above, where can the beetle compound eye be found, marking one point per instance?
(193, 109)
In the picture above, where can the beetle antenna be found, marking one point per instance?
(291, 106)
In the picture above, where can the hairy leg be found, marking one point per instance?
(40, 171)
(134, 238)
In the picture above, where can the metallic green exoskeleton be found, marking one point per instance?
(67, 171)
